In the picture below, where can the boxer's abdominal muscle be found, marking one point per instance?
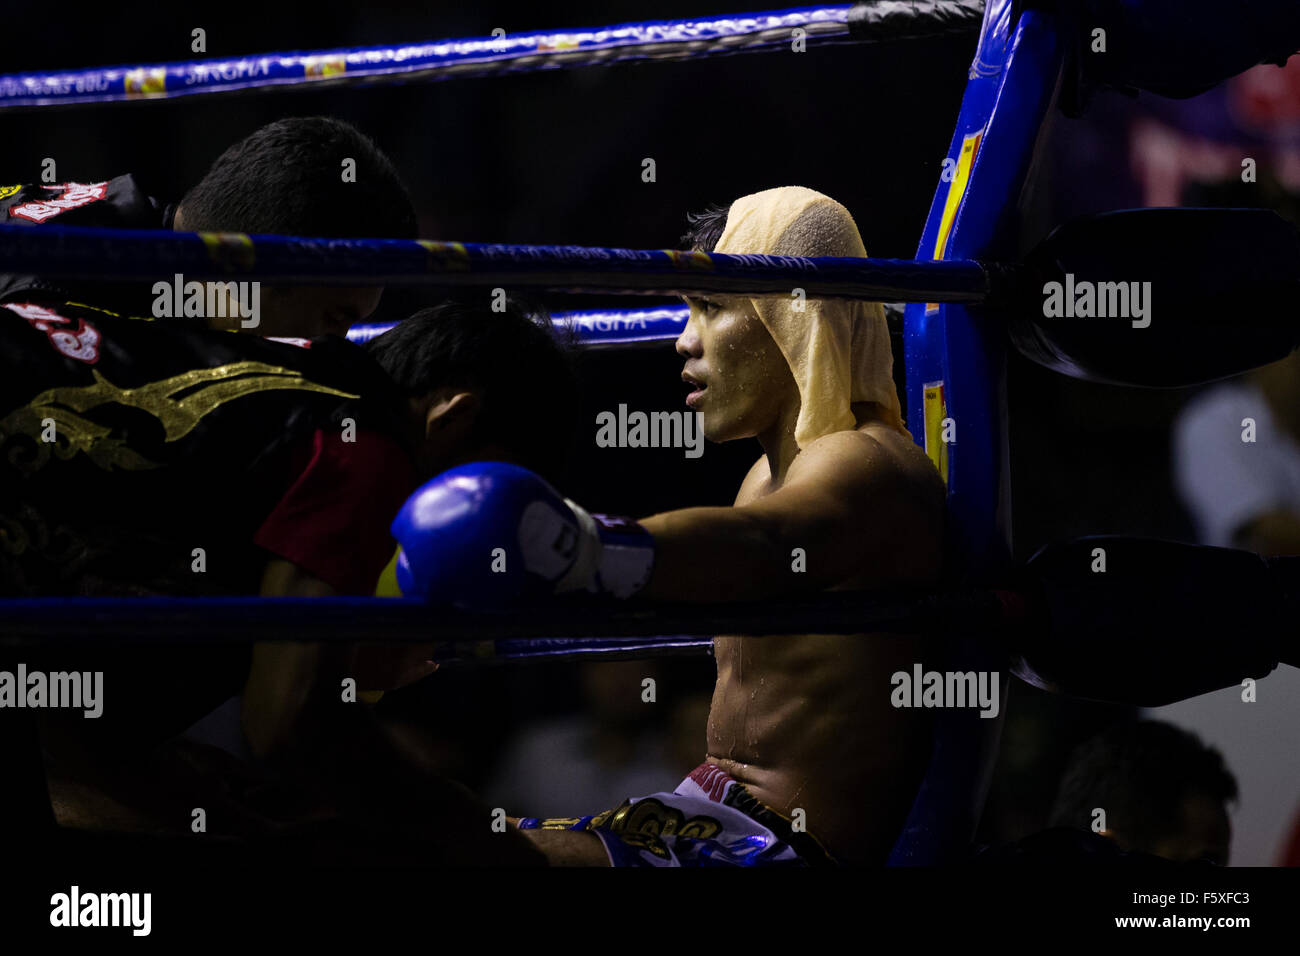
(805, 721)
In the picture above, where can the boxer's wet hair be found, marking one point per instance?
(522, 366)
(287, 178)
(1140, 772)
(705, 228)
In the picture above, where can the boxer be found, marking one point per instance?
(807, 761)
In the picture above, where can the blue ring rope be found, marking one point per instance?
(160, 254)
(596, 328)
(593, 327)
(480, 56)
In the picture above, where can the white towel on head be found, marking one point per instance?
(838, 349)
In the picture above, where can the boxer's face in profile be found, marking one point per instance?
(298, 312)
(740, 382)
(308, 311)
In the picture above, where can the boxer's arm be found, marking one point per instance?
(328, 535)
(281, 677)
(282, 578)
(849, 504)
(354, 759)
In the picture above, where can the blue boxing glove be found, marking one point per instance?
(489, 535)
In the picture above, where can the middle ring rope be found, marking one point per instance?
(139, 253)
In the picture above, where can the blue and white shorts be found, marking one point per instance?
(709, 820)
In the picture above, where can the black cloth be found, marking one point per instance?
(1064, 845)
(117, 203)
(1173, 48)
(166, 439)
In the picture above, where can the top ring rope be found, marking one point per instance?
(504, 53)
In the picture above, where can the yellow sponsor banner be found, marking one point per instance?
(970, 145)
(445, 256)
(324, 67)
(233, 251)
(936, 411)
(690, 261)
(7, 191)
(145, 81)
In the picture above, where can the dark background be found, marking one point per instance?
(555, 157)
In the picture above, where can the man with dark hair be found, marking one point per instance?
(1162, 791)
(705, 228)
(305, 176)
(311, 176)
(188, 461)
(501, 365)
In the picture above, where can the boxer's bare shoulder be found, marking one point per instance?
(873, 478)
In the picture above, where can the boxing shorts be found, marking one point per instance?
(709, 820)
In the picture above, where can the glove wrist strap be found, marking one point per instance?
(586, 561)
(627, 554)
